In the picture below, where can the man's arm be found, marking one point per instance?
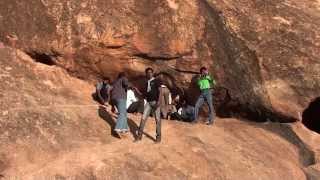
(125, 83)
(109, 94)
(160, 94)
(98, 89)
(137, 90)
(159, 83)
(211, 80)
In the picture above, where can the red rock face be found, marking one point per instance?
(52, 129)
(262, 53)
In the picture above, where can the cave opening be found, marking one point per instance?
(310, 116)
(43, 58)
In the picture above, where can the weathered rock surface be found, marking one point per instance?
(264, 54)
(52, 129)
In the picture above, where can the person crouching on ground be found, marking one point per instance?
(205, 84)
(135, 104)
(103, 90)
(119, 97)
(153, 86)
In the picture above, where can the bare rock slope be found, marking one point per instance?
(264, 54)
(51, 128)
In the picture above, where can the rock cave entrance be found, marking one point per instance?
(311, 116)
(43, 58)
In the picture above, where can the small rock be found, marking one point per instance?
(4, 113)
(8, 68)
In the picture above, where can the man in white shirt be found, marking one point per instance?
(134, 104)
(131, 97)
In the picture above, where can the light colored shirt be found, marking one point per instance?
(131, 98)
(206, 82)
(149, 86)
(170, 97)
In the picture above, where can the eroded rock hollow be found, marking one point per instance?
(264, 54)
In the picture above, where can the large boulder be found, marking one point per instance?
(51, 128)
(262, 53)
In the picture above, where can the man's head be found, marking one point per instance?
(106, 80)
(204, 71)
(184, 103)
(121, 75)
(149, 73)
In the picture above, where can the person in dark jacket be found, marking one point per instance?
(119, 97)
(152, 87)
(103, 91)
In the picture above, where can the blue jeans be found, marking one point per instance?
(122, 123)
(205, 96)
(148, 108)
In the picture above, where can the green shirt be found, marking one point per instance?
(206, 82)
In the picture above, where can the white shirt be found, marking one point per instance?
(131, 98)
(149, 86)
(170, 98)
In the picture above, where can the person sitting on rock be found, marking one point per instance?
(184, 113)
(152, 87)
(103, 91)
(134, 103)
(205, 83)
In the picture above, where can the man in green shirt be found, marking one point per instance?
(205, 83)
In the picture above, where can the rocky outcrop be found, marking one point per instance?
(42, 112)
(52, 129)
(262, 53)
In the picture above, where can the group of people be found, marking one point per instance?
(155, 100)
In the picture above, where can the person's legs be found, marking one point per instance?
(210, 105)
(158, 124)
(190, 115)
(104, 96)
(141, 106)
(165, 110)
(99, 97)
(122, 124)
(145, 115)
(113, 106)
(199, 103)
(133, 108)
(176, 116)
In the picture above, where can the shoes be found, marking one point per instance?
(124, 131)
(137, 139)
(139, 136)
(194, 122)
(158, 140)
(209, 123)
(121, 130)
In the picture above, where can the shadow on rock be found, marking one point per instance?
(133, 128)
(107, 117)
(306, 155)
